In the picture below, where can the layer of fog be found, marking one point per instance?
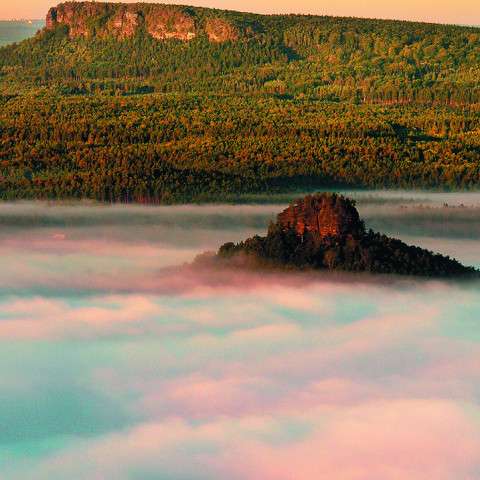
(123, 242)
(118, 362)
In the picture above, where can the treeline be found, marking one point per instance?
(171, 148)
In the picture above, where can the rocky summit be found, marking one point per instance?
(321, 216)
(324, 231)
(122, 21)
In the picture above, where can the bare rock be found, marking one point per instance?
(125, 22)
(322, 216)
(122, 21)
(165, 23)
(219, 30)
(75, 16)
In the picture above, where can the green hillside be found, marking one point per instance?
(100, 108)
(328, 58)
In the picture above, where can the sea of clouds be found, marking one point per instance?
(120, 361)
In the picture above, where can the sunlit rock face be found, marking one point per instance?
(322, 216)
(219, 30)
(125, 22)
(75, 16)
(122, 21)
(165, 23)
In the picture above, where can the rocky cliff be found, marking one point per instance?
(324, 231)
(122, 21)
(321, 216)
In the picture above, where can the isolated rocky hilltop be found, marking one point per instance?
(324, 231)
(122, 21)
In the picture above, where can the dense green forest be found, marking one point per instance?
(289, 102)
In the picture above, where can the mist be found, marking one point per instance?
(120, 360)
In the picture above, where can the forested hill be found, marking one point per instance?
(90, 46)
(145, 102)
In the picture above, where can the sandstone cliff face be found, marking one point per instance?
(121, 21)
(75, 15)
(322, 216)
(124, 23)
(164, 23)
(218, 30)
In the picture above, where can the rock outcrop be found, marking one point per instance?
(321, 216)
(219, 30)
(165, 23)
(122, 21)
(75, 16)
(324, 231)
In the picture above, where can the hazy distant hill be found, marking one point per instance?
(13, 31)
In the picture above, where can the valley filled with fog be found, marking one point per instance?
(120, 360)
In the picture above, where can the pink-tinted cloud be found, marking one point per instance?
(226, 374)
(413, 439)
(40, 318)
(405, 438)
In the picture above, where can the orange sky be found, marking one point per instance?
(442, 11)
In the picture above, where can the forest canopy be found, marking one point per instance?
(286, 102)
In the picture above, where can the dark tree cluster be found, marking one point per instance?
(173, 148)
(355, 251)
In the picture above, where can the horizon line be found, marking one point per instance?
(303, 14)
